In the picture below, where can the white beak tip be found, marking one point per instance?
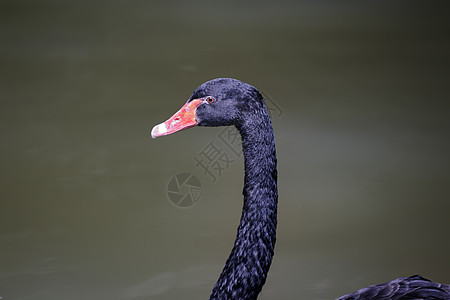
(159, 130)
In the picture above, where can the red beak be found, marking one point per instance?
(183, 119)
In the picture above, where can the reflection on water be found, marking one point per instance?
(362, 144)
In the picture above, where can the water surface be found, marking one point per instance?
(362, 136)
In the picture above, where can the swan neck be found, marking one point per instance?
(246, 269)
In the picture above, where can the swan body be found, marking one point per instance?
(413, 287)
(225, 102)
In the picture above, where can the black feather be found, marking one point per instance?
(404, 288)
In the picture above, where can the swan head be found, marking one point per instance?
(218, 102)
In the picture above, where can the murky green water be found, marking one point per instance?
(362, 134)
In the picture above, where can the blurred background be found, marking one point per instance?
(362, 132)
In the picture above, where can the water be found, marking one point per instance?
(362, 141)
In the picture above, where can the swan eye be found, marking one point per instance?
(210, 99)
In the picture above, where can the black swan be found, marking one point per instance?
(224, 102)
